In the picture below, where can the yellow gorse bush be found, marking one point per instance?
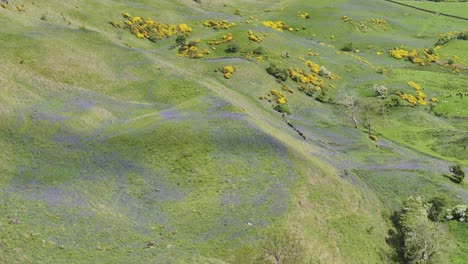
(146, 28)
(303, 15)
(228, 71)
(302, 77)
(414, 85)
(278, 96)
(224, 39)
(192, 52)
(409, 98)
(253, 37)
(218, 24)
(420, 97)
(276, 25)
(414, 55)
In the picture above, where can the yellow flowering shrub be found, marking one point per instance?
(302, 77)
(315, 68)
(184, 28)
(20, 8)
(192, 52)
(253, 37)
(146, 28)
(224, 39)
(409, 98)
(420, 97)
(414, 85)
(378, 21)
(218, 24)
(4, 5)
(228, 71)
(434, 100)
(276, 25)
(431, 57)
(398, 53)
(414, 55)
(278, 96)
(303, 15)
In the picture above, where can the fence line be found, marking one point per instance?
(426, 10)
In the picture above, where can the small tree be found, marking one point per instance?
(259, 51)
(422, 241)
(458, 173)
(436, 208)
(232, 48)
(348, 47)
(351, 106)
(280, 74)
(281, 247)
(180, 40)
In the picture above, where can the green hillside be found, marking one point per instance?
(118, 145)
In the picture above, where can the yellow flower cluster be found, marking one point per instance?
(399, 53)
(228, 71)
(253, 37)
(431, 57)
(413, 56)
(420, 96)
(224, 39)
(408, 97)
(276, 25)
(303, 15)
(278, 96)
(192, 52)
(378, 21)
(302, 77)
(414, 85)
(316, 69)
(4, 5)
(218, 24)
(434, 100)
(20, 8)
(310, 53)
(146, 28)
(249, 20)
(378, 69)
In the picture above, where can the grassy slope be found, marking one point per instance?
(106, 147)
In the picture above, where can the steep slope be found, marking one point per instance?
(116, 150)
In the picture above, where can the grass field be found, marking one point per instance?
(451, 8)
(114, 149)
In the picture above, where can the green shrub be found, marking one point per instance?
(282, 108)
(436, 208)
(232, 48)
(259, 51)
(180, 40)
(278, 73)
(393, 101)
(348, 47)
(458, 173)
